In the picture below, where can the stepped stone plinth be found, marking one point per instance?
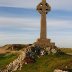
(43, 43)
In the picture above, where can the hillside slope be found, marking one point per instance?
(43, 64)
(49, 63)
(66, 50)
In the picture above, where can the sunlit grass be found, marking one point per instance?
(43, 64)
(67, 50)
(6, 59)
(48, 63)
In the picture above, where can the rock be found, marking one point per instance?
(16, 64)
(58, 70)
(36, 50)
(48, 50)
(29, 60)
(25, 63)
(42, 52)
(53, 51)
(28, 55)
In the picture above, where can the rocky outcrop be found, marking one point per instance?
(58, 70)
(28, 55)
(16, 64)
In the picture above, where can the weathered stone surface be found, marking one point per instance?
(28, 55)
(43, 8)
(53, 51)
(43, 43)
(58, 70)
(16, 64)
(48, 50)
(42, 52)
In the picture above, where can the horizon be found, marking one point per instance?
(20, 22)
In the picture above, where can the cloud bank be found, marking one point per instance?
(55, 4)
(26, 30)
(20, 24)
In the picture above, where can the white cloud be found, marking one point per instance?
(19, 3)
(62, 41)
(33, 22)
(62, 38)
(8, 38)
(61, 4)
(55, 4)
(18, 22)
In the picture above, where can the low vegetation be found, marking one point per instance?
(49, 63)
(43, 64)
(66, 50)
(6, 59)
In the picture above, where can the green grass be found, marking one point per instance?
(66, 50)
(43, 64)
(48, 64)
(6, 59)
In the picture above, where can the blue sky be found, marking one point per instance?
(20, 22)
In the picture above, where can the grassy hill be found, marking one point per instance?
(43, 64)
(66, 50)
(49, 63)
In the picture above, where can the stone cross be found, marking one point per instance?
(43, 8)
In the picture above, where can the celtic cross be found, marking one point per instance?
(43, 8)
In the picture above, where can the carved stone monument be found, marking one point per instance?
(43, 8)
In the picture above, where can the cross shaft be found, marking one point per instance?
(43, 8)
